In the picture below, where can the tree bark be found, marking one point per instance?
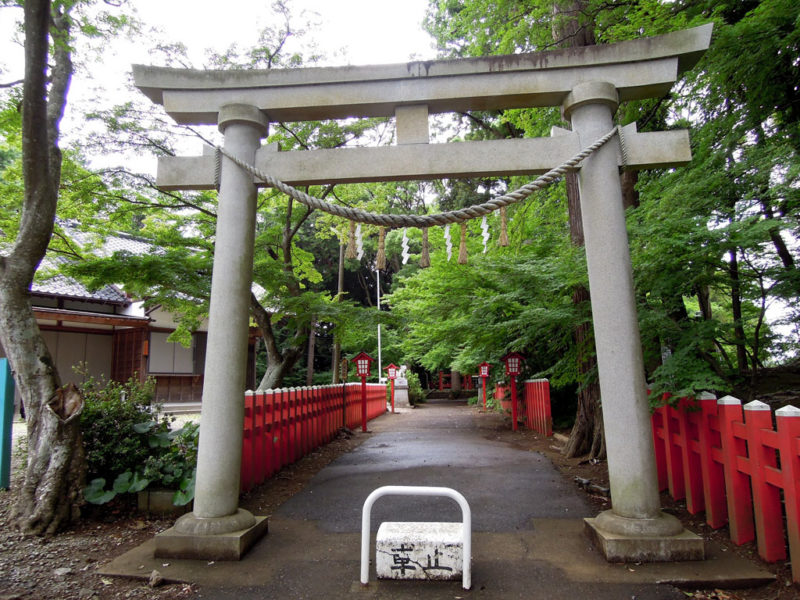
(569, 31)
(279, 363)
(312, 336)
(337, 344)
(587, 435)
(55, 471)
(736, 312)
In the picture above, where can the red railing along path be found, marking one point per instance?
(535, 404)
(282, 426)
(729, 461)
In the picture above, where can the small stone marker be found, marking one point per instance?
(410, 550)
(401, 393)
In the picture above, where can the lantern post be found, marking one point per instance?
(391, 370)
(363, 363)
(484, 373)
(513, 362)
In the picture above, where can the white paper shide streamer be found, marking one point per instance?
(485, 230)
(405, 253)
(359, 242)
(448, 241)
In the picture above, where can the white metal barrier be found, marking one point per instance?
(413, 490)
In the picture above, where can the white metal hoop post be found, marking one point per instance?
(414, 490)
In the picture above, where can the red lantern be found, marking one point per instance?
(484, 371)
(392, 371)
(392, 374)
(513, 362)
(363, 362)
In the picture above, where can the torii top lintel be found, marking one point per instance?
(638, 69)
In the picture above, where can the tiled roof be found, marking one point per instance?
(67, 287)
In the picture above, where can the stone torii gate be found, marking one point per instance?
(587, 83)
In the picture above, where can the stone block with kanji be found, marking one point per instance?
(409, 550)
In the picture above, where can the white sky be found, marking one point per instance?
(369, 31)
(344, 31)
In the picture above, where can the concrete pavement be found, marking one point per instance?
(528, 538)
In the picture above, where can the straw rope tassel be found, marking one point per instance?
(351, 242)
(380, 259)
(425, 257)
(462, 249)
(503, 239)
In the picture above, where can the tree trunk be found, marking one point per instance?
(312, 336)
(278, 363)
(736, 310)
(54, 474)
(587, 435)
(337, 344)
(587, 432)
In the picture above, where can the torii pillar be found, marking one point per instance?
(217, 529)
(635, 528)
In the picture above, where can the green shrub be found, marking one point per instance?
(415, 393)
(110, 414)
(129, 444)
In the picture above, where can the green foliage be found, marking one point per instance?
(712, 243)
(416, 395)
(110, 414)
(128, 444)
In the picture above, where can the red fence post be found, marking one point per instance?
(788, 420)
(328, 408)
(711, 462)
(737, 484)
(766, 497)
(284, 404)
(688, 415)
(247, 444)
(271, 447)
(259, 468)
(314, 398)
(346, 395)
(659, 445)
(297, 441)
(673, 453)
(548, 411)
(513, 402)
(305, 423)
(288, 398)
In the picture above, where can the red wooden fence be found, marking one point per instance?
(282, 426)
(537, 406)
(445, 382)
(733, 465)
(534, 404)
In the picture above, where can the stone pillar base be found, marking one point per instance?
(217, 546)
(634, 540)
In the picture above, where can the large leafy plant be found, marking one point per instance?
(128, 444)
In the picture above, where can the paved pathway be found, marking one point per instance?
(528, 539)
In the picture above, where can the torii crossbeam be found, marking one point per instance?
(588, 83)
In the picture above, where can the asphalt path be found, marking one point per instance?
(528, 537)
